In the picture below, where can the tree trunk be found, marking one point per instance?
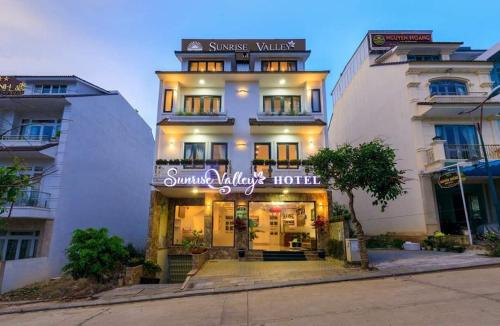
(360, 234)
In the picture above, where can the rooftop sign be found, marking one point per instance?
(385, 41)
(275, 45)
(11, 86)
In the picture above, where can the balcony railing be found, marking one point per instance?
(186, 113)
(26, 138)
(441, 151)
(32, 198)
(193, 166)
(471, 97)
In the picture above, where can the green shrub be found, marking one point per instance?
(335, 248)
(135, 256)
(92, 253)
(384, 241)
(492, 244)
(150, 268)
(339, 213)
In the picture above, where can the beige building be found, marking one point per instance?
(410, 91)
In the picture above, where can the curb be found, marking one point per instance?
(371, 276)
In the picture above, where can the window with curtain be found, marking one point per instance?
(200, 104)
(168, 101)
(448, 87)
(461, 141)
(288, 152)
(194, 152)
(282, 65)
(219, 152)
(206, 66)
(284, 104)
(315, 100)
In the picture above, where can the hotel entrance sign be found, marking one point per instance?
(225, 183)
(275, 45)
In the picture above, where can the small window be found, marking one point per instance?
(168, 100)
(195, 153)
(281, 66)
(288, 152)
(423, 57)
(50, 89)
(206, 66)
(315, 100)
(448, 87)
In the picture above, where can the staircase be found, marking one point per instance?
(283, 256)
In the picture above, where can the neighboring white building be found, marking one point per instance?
(94, 154)
(238, 106)
(408, 90)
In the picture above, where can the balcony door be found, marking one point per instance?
(461, 141)
(262, 152)
(219, 152)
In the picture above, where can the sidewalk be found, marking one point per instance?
(233, 276)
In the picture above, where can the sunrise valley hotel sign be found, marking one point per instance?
(275, 45)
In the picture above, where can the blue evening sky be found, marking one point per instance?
(119, 44)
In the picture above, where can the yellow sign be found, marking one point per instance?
(449, 180)
(11, 86)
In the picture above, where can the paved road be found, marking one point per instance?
(468, 297)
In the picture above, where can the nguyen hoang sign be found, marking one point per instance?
(11, 86)
(275, 45)
(225, 183)
(385, 41)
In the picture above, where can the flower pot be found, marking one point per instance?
(321, 254)
(241, 253)
(197, 251)
(296, 244)
(150, 280)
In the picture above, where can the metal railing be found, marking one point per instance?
(32, 198)
(184, 112)
(470, 151)
(25, 138)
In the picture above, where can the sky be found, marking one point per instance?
(119, 44)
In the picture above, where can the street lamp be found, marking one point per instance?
(479, 126)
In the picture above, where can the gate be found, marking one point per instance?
(178, 266)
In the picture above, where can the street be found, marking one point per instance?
(467, 297)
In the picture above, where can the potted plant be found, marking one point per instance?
(196, 243)
(241, 252)
(271, 162)
(296, 242)
(258, 162)
(149, 272)
(174, 162)
(211, 162)
(161, 162)
(239, 224)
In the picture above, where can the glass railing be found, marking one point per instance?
(32, 198)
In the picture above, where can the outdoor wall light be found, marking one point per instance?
(285, 191)
(282, 82)
(195, 190)
(202, 82)
(242, 92)
(286, 131)
(241, 143)
(196, 130)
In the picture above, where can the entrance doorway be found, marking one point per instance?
(283, 226)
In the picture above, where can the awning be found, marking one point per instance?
(479, 169)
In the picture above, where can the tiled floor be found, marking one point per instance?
(231, 273)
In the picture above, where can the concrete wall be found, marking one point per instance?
(105, 167)
(17, 273)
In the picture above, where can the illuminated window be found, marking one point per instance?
(287, 153)
(269, 65)
(195, 153)
(223, 224)
(168, 100)
(201, 104)
(262, 152)
(282, 104)
(189, 221)
(206, 66)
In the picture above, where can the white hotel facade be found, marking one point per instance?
(90, 157)
(414, 93)
(238, 107)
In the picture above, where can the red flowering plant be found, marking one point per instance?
(319, 223)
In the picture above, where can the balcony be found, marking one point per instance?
(450, 106)
(29, 146)
(440, 153)
(182, 122)
(30, 204)
(306, 124)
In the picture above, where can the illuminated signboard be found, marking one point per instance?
(276, 45)
(385, 41)
(11, 86)
(225, 183)
(450, 180)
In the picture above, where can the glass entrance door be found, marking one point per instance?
(282, 226)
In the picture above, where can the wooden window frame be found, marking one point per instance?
(165, 101)
(295, 167)
(316, 110)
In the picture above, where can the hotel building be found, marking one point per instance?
(89, 155)
(235, 124)
(416, 94)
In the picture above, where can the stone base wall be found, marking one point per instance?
(133, 275)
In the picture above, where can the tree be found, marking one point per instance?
(370, 167)
(93, 253)
(11, 183)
